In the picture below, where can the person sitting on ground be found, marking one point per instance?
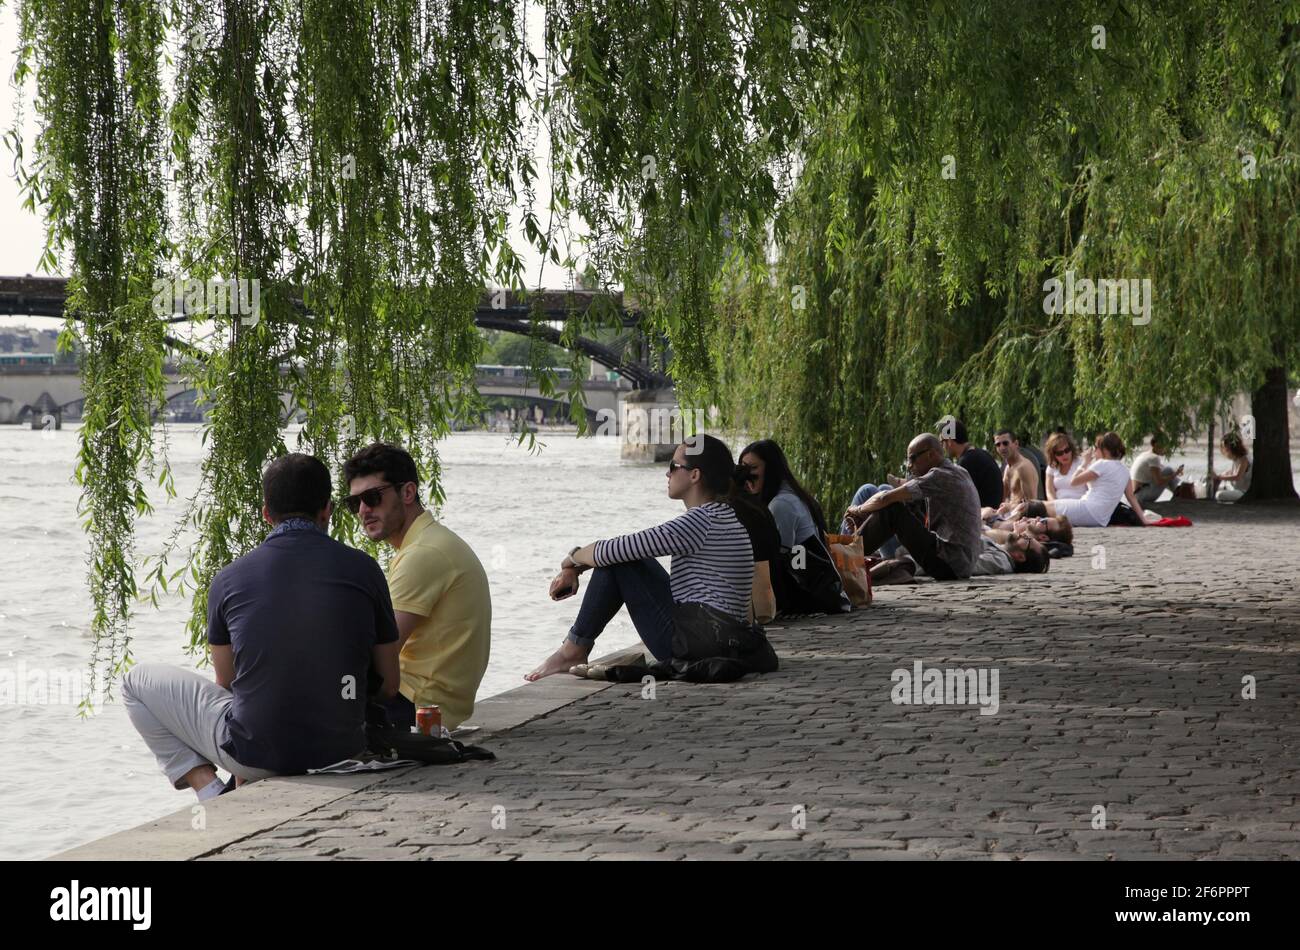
(1031, 452)
(1020, 473)
(1107, 481)
(1064, 454)
(979, 464)
(764, 538)
(1151, 475)
(806, 580)
(948, 544)
(1239, 474)
(294, 627)
(712, 566)
(439, 588)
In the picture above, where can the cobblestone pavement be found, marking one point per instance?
(1121, 688)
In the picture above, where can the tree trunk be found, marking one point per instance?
(1271, 476)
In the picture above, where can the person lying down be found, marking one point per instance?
(1017, 554)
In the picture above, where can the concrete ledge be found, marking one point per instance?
(202, 828)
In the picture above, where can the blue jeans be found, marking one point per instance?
(890, 547)
(641, 585)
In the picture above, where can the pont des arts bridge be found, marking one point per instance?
(637, 402)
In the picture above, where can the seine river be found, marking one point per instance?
(67, 780)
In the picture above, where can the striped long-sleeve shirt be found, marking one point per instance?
(713, 562)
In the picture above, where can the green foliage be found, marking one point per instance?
(924, 295)
(838, 218)
(514, 349)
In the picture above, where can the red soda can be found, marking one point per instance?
(428, 719)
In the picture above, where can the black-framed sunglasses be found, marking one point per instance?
(916, 455)
(371, 496)
(674, 466)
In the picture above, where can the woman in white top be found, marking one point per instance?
(1106, 479)
(1239, 475)
(1063, 464)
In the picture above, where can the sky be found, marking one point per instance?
(21, 233)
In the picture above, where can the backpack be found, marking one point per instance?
(814, 586)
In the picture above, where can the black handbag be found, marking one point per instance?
(709, 646)
(812, 588)
(393, 741)
(1124, 517)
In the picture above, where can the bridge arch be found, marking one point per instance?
(497, 310)
(593, 417)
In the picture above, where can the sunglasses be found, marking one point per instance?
(916, 455)
(1060, 452)
(371, 496)
(674, 466)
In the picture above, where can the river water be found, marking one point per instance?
(66, 780)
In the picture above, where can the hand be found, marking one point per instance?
(565, 584)
(894, 480)
(854, 516)
(1179, 470)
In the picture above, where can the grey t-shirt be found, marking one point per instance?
(953, 508)
(993, 559)
(793, 519)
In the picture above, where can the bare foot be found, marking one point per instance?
(569, 654)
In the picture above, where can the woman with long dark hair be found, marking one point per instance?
(712, 566)
(806, 580)
(797, 513)
(765, 540)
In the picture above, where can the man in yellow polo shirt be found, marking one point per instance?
(438, 587)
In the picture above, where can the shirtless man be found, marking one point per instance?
(1020, 477)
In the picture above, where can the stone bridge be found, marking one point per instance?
(42, 395)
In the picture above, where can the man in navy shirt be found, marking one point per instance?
(294, 626)
(979, 464)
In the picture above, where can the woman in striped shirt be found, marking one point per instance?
(712, 564)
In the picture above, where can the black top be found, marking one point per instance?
(301, 613)
(764, 537)
(984, 472)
